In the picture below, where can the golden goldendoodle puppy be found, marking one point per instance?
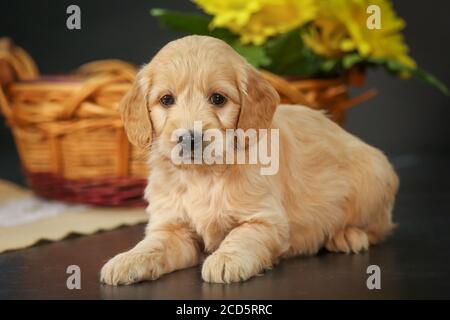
(330, 189)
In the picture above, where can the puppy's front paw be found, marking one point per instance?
(226, 268)
(131, 267)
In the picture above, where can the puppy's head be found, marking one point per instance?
(194, 80)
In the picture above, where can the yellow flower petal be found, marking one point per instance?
(341, 26)
(256, 20)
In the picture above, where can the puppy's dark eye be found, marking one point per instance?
(167, 100)
(217, 99)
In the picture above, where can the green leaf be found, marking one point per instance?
(430, 79)
(185, 22)
(255, 55)
(329, 65)
(396, 68)
(191, 23)
(290, 56)
(349, 60)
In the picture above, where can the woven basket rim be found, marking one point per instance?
(53, 79)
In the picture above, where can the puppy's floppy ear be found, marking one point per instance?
(259, 100)
(135, 114)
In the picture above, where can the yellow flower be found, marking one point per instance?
(341, 26)
(257, 20)
(325, 36)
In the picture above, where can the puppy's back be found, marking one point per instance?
(318, 156)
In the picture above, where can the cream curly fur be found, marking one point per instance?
(332, 190)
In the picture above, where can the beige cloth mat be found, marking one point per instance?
(26, 219)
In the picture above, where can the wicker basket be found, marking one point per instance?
(70, 137)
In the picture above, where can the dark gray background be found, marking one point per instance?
(406, 118)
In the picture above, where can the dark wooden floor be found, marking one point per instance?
(414, 262)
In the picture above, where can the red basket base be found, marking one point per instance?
(111, 192)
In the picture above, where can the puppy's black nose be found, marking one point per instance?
(181, 137)
(190, 139)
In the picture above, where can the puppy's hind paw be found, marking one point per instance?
(349, 240)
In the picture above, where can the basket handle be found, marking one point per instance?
(15, 64)
(284, 87)
(344, 105)
(108, 66)
(89, 88)
(102, 73)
